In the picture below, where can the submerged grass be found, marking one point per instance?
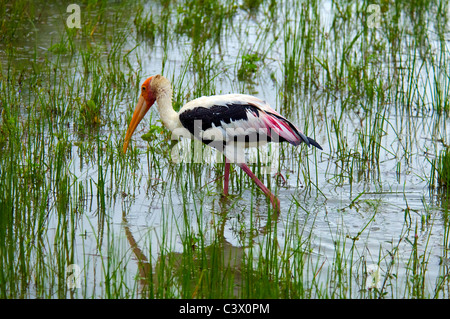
(73, 206)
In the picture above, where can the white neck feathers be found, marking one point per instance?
(163, 94)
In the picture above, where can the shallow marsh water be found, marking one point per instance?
(140, 225)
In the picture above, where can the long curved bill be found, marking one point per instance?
(139, 113)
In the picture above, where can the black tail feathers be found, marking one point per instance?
(314, 143)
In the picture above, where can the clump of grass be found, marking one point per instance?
(17, 18)
(441, 168)
(251, 5)
(146, 27)
(301, 40)
(89, 113)
(204, 20)
(249, 66)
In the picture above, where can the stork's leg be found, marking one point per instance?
(226, 177)
(273, 199)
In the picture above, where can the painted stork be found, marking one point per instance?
(229, 123)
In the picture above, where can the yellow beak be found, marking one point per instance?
(139, 113)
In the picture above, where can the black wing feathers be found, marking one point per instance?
(205, 118)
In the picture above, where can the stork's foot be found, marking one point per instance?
(277, 176)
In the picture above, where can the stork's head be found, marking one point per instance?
(146, 100)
